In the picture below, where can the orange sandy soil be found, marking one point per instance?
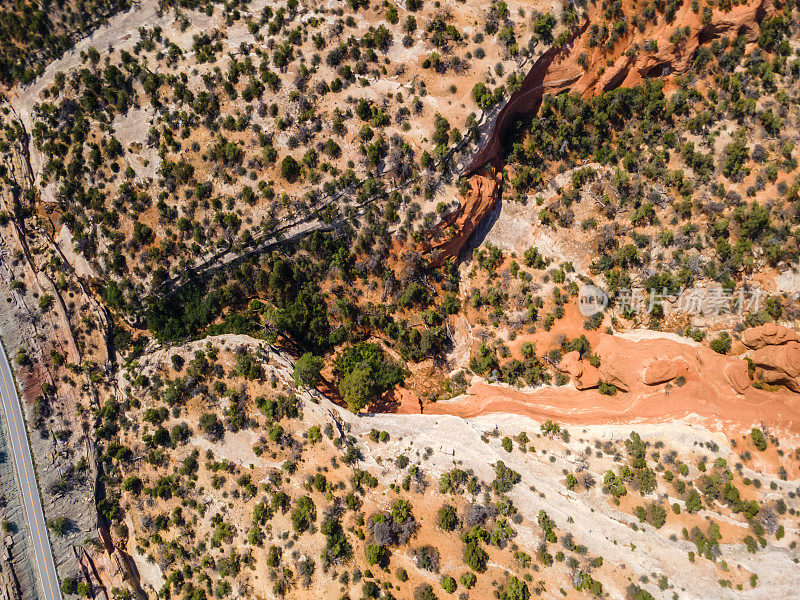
(708, 395)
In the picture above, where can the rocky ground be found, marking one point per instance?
(64, 456)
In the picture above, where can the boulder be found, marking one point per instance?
(589, 379)
(738, 376)
(618, 366)
(616, 372)
(780, 365)
(769, 334)
(571, 364)
(662, 371)
(583, 374)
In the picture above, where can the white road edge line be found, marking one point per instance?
(26, 477)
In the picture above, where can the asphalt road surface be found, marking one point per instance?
(27, 482)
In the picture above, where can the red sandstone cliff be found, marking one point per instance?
(559, 70)
(659, 380)
(445, 240)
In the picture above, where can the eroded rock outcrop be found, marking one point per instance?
(737, 374)
(714, 387)
(779, 365)
(632, 61)
(445, 240)
(775, 352)
(584, 376)
(662, 371)
(617, 365)
(622, 369)
(769, 334)
(586, 68)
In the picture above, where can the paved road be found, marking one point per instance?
(27, 480)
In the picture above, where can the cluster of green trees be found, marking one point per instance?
(365, 373)
(589, 125)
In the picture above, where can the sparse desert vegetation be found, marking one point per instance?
(293, 295)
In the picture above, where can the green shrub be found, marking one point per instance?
(290, 168)
(447, 518)
(424, 592)
(375, 554)
(505, 478)
(759, 441)
(449, 584)
(365, 373)
(475, 556)
(304, 513)
(307, 370)
(722, 343)
(607, 389)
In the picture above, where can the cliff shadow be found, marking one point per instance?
(481, 231)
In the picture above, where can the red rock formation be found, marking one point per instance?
(626, 371)
(738, 375)
(616, 366)
(445, 240)
(768, 334)
(558, 69)
(717, 390)
(583, 374)
(779, 365)
(662, 371)
(776, 354)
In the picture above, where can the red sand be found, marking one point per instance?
(592, 408)
(708, 392)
